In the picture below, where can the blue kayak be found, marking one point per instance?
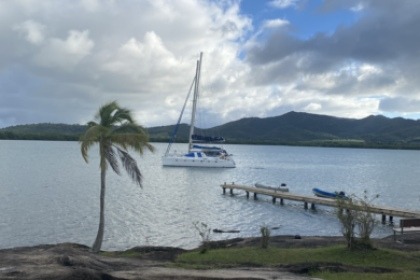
(321, 193)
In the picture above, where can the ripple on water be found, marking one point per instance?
(48, 194)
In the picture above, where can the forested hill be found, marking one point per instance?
(301, 127)
(43, 131)
(291, 128)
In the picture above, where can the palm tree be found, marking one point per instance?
(115, 131)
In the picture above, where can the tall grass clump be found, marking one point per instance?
(204, 231)
(265, 236)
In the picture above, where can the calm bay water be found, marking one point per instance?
(48, 194)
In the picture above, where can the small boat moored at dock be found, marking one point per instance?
(282, 188)
(326, 194)
(313, 200)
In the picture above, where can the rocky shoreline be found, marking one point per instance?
(67, 261)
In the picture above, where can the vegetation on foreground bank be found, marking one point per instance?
(330, 262)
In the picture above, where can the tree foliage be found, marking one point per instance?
(115, 131)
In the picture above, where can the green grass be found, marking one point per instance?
(406, 263)
(404, 275)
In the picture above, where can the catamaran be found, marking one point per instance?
(202, 151)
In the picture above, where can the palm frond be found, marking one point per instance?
(111, 158)
(112, 114)
(122, 116)
(106, 112)
(92, 123)
(131, 136)
(137, 142)
(130, 166)
(89, 138)
(130, 128)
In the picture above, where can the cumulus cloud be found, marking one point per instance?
(368, 59)
(65, 53)
(77, 55)
(61, 60)
(33, 31)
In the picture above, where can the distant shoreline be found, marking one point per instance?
(291, 129)
(323, 144)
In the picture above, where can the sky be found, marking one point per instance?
(61, 60)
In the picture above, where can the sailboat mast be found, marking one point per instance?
(195, 99)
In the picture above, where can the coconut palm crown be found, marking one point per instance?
(115, 131)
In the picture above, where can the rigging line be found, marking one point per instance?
(180, 118)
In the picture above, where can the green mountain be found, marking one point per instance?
(292, 128)
(295, 128)
(298, 127)
(43, 131)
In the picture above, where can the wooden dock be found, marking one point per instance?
(314, 200)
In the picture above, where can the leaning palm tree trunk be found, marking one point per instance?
(100, 235)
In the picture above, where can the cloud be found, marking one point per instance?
(61, 60)
(283, 4)
(33, 31)
(357, 8)
(77, 55)
(368, 59)
(400, 104)
(274, 23)
(65, 53)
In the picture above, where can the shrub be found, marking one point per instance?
(347, 218)
(354, 213)
(365, 220)
(204, 232)
(265, 236)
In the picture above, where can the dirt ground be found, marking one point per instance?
(73, 261)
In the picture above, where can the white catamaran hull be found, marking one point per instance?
(184, 161)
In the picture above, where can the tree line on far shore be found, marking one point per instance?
(293, 128)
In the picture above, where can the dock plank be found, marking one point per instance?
(383, 210)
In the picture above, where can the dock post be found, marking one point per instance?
(391, 220)
(255, 196)
(313, 206)
(383, 219)
(247, 194)
(281, 201)
(231, 191)
(305, 205)
(274, 199)
(224, 190)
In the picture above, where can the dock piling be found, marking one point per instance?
(380, 210)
